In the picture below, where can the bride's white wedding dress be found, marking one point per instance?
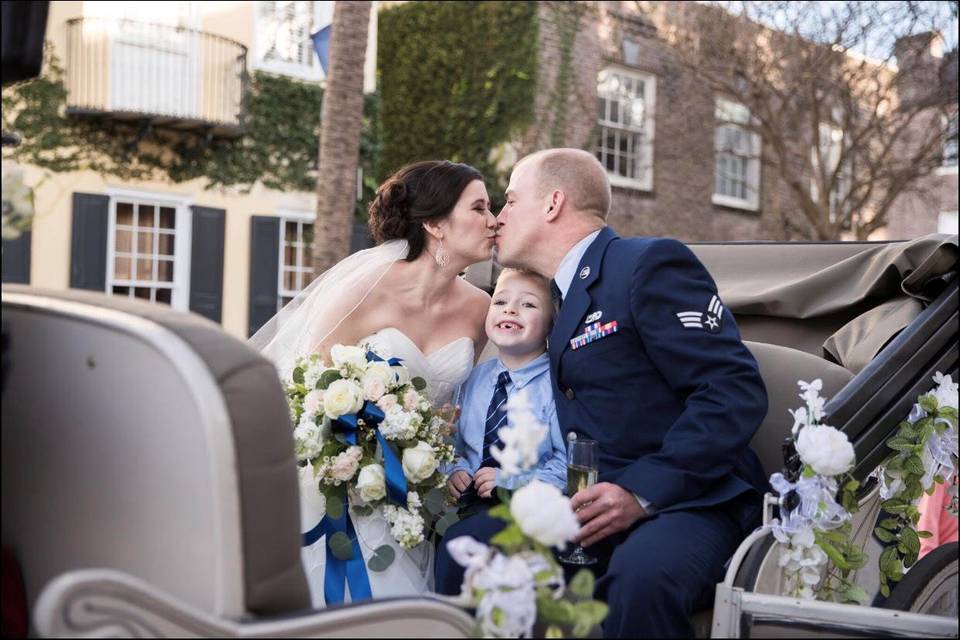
(411, 573)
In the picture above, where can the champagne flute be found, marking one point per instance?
(582, 472)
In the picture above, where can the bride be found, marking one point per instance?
(404, 299)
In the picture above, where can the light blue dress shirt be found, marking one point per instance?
(566, 271)
(478, 391)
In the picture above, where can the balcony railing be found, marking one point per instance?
(168, 76)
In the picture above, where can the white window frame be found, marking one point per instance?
(182, 240)
(942, 217)
(322, 16)
(727, 114)
(647, 129)
(289, 215)
(828, 130)
(946, 169)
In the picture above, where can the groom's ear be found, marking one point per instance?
(554, 204)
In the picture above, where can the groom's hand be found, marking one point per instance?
(604, 509)
(459, 481)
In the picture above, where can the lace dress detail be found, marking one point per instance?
(411, 573)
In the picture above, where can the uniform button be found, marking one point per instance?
(568, 393)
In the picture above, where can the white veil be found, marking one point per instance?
(306, 321)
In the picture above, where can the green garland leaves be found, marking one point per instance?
(899, 530)
(457, 79)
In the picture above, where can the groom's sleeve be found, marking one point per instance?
(712, 370)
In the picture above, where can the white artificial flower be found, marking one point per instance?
(825, 449)
(371, 483)
(469, 553)
(313, 402)
(345, 465)
(811, 396)
(397, 424)
(544, 513)
(373, 388)
(946, 391)
(308, 440)
(419, 462)
(800, 419)
(411, 399)
(342, 397)
(521, 439)
(348, 358)
(387, 402)
(508, 614)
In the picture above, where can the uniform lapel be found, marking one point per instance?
(577, 300)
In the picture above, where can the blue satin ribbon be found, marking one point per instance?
(339, 573)
(372, 357)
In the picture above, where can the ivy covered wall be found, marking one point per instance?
(279, 147)
(456, 80)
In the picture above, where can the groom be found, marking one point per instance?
(646, 360)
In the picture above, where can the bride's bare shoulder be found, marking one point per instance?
(476, 298)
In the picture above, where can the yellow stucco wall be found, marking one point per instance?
(50, 251)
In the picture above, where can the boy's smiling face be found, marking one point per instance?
(518, 320)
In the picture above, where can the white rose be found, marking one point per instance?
(350, 357)
(342, 397)
(371, 483)
(544, 514)
(387, 402)
(313, 402)
(825, 449)
(383, 371)
(419, 462)
(411, 399)
(946, 391)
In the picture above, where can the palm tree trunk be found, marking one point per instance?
(341, 120)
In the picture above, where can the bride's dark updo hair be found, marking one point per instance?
(415, 194)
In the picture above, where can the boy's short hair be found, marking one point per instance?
(544, 282)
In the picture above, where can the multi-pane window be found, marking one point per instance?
(283, 36)
(143, 250)
(296, 258)
(950, 142)
(736, 157)
(825, 161)
(626, 102)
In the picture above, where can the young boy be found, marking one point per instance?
(518, 322)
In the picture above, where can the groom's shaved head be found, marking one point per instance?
(578, 174)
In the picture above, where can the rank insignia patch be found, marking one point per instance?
(709, 320)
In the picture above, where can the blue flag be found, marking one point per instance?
(321, 44)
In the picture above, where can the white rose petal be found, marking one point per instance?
(342, 397)
(419, 462)
(825, 449)
(411, 398)
(371, 483)
(544, 514)
(373, 388)
(383, 372)
(313, 402)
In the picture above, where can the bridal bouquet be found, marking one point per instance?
(369, 439)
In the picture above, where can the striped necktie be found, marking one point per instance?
(496, 418)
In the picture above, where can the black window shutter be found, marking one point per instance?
(206, 262)
(264, 270)
(88, 253)
(16, 259)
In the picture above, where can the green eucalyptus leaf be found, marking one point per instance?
(446, 522)
(556, 611)
(335, 506)
(433, 501)
(504, 496)
(362, 509)
(884, 535)
(298, 375)
(582, 584)
(418, 383)
(327, 378)
(928, 403)
(382, 558)
(509, 538)
(340, 546)
(885, 590)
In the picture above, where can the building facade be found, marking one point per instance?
(235, 257)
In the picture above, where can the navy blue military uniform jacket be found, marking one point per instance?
(646, 360)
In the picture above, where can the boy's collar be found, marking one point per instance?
(522, 375)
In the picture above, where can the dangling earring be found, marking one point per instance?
(441, 256)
